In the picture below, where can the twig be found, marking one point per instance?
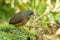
(44, 14)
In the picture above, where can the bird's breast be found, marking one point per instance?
(24, 21)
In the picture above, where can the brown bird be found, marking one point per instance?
(21, 18)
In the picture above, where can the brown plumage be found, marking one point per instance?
(21, 18)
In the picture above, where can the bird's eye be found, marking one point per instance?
(31, 13)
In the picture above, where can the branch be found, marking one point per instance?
(47, 11)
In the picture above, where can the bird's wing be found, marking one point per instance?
(16, 19)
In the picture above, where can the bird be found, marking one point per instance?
(21, 18)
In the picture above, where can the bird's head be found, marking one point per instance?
(29, 13)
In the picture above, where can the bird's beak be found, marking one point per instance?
(33, 14)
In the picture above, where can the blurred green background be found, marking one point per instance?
(45, 10)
